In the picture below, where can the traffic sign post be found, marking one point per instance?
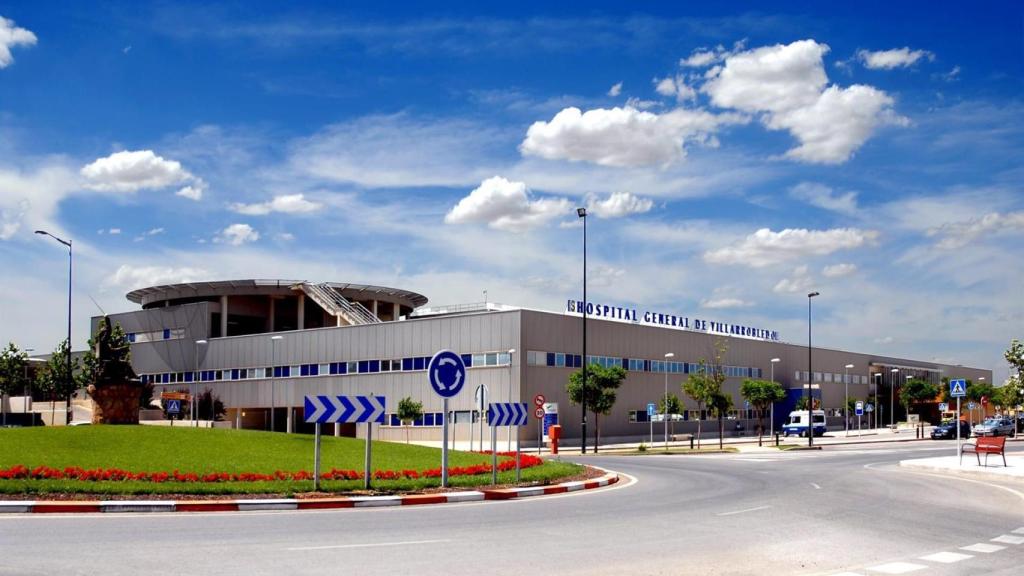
(958, 389)
(344, 410)
(858, 408)
(447, 374)
(650, 419)
(505, 414)
(538, 413)
(480, 395)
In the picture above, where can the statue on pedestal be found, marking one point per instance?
(115, 388)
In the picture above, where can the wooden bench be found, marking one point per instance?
(986, 445)
(681, 437)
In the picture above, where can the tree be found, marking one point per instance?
(599, 391)
(209, 404)
(801, 403)
(1015, 356)
(705, 387)
(53, 378)
(917, 390)
(408, 411)
(13, 374)
(675, 406)
(761, 394)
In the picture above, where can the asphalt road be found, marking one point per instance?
(845, 509)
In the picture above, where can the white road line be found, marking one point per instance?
(1019, 530)
(743, 511)
(897, 568)
(1008, 539)
(368, 545)
(945, 557)
(816, 487)
(983, 548)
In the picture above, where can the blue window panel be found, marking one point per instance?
(428, 419)
(364, 366)
(333, 368)
(167, 333)
(277, 372)
(188, 376)
(234, 373)
(625, 363)
(144, 378)
(407, 364)
(166, 378)
(342, 367)
(647, 365)
(131, 337)
(577, 361)
(418, 364)
(467, 359)
(304, 370)
(395, 421)
(418, 421)
(641, 416)
(314, 369)
(551, 359)
(374, 366)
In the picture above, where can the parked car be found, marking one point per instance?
(947, 430)
(995, 426)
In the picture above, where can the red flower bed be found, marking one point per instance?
(19, 472)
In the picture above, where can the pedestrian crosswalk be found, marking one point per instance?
(939, 558)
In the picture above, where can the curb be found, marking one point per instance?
(144, 506)
(976, 472)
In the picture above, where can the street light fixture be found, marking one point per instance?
(582, 213)
(774, 361)
(846, 394)
(195, 386)
(510, 353)
(810, 375)
(878, 382)
(273, 360)
(892, 397)
(67, 411)
(664, 413)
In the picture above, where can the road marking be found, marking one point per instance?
(897, 568)
(1019, 530)
(983, 548)
(816, 487)
(1007, 539)
(946, 557)
(743, 511)
(369, 545)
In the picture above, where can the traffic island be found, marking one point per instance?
(994, 470)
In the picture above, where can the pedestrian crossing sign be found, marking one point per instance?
(958, 388)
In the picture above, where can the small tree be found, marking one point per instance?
(675, 406)
(705, 387)
(209, 404)
(408, 411)
(917, 390)
(761, 394)
(801, 403)
(53, 378)
(696, 387)
(13, 374)
(600, 391)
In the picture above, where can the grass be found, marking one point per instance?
(158, 448)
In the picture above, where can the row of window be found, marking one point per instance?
(831, 377)
(561, 360)
(165, 334)
(415, 364)
(640, 416)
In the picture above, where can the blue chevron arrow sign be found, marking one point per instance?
(507, 414)
(344, 409)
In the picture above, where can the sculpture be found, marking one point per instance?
(115, 388)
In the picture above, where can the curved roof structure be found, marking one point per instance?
(252, 287)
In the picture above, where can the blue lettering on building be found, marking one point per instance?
(671, 320)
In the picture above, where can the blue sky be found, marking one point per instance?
(732, 160)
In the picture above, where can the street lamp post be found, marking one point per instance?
(774, 361)
(195, 386)
(510, 353)
(892, 398)
(67, 411)
(664, 413)
(273, 360)
(582, 213)
(846, 396)
(810, 375)
(878, 382)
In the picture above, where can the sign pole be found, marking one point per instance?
(444, 446)
(494, 454)
(518, 471)
(316, 459)
(958, 448)
(369, 438)
(540, 435)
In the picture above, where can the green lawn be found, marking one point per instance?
(158, 448)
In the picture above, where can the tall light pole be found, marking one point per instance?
(582, 213)
(71, 377)
(510, 353)
(846, 394)
(774, 361)
(664, 413)
(810, 375)
(273, 360)
(195, 386)
(892, 397)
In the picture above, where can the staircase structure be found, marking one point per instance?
(346, 311)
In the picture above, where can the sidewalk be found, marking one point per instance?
(1014, 469)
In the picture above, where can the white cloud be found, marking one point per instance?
(621, 137)
(506, 205)
(765, 248)
(136, 170)
(825, 198)
(800, 281)
(788, 85)
(192, 192)
(619, 204)
(839, 270)
(129, 277)
(676, 88)
(287, 204)
(952, 76)
(895, 58)
(10, 36)
(114, 231)
(723, 303)
(615, 90)
(30, 195)
(238, 234)
(959, 234)
(154, 231)
(700, 58)
(884, 340)
(285, 236)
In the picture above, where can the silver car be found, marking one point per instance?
(995, 426)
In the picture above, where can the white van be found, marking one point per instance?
(797, 423)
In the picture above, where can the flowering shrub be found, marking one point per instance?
(20, 472)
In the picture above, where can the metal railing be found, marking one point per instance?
(337, 305)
